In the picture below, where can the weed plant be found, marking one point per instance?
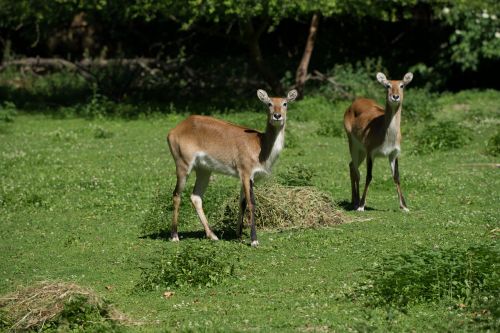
(419, 105)
(452, 275)
(442, 136)
(331, 128)
(7, 112)
(493, 146)
(199, 264)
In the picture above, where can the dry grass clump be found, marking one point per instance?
(287, 207)
(50, 305)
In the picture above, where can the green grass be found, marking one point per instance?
(74, 193)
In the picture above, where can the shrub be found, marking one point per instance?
(7, 112)
(419, 105)
(493, 146)
(452, 275)
(331, 128)
(101, 133)
(198, 264)
(158, 216)
(443, 135)
(355, 81)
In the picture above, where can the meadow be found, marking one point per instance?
(77, 194)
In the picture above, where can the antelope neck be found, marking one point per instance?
(269, 140)
(393, 114)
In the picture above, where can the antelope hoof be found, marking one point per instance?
(405, 209)
(361, 209)
(255, 243)
(212, 236)
(174, 237)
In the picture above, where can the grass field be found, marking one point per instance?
(74, 193)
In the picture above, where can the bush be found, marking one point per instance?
(493, 147)
(331, 128)
(158, 217)
(7, 112)
(419, 105)
(454, 275)
(443, 135)
(355, 81)
(199, 264)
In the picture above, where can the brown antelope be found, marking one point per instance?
(373, 131)
(207, 145)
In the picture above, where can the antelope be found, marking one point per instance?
(373, 131)
(206, 145)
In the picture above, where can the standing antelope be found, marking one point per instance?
(372, 132)
(210, 145)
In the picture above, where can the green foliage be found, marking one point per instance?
(476, 30)
(351, 81)
(198, 264)
(451, 275)
(102, 133)
(493, 146)
(297, 174)
(331, 128)
(7, 112)
(420, 105)
(443, 135)
(80, 315)
(158, 217)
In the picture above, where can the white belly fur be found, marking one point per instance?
(204, 161)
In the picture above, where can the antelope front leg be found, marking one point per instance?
(395, 176)
(176, 197)
(250, 199)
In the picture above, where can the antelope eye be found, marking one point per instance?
(388, 85)
(284, 104)
(401, 85)
(270, 104)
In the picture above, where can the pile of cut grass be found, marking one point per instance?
(58, 306)
(281, 207)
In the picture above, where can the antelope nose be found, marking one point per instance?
(395, 97)
(277, 116)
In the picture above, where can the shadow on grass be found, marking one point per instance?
(348, 206)
(222, 233)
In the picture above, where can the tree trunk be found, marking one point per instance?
(251, 38)
(301, 74)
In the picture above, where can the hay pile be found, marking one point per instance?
(287, 207)
(50, 304)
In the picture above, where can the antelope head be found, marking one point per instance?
(276, 116)
(394, 88)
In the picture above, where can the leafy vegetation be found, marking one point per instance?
(197, 265)
(443, 135)
(451, 275)
(493, 147)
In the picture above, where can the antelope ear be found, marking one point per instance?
(263, 96)
(292, 95)
(407, 78)
(382, 79)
